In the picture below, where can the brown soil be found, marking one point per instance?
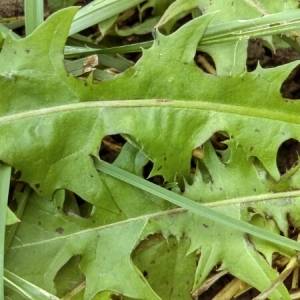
(11, 8)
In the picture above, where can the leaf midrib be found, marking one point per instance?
(146, 218)
(269, 114)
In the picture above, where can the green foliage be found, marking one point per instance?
(123, 240)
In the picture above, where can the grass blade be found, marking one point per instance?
(227, 32)
(25, 288)
(34, 15)
(99, 11)
(201, 209)
(21, 207)
(5, 172)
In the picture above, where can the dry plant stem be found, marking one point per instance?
(288, 269)
(198, 153)
(295, 295)
(75, 291)
(281, 261)
(245, 287)
(229, 291)
(112, 146)
(295, 279)
(208, 283)
(206, 65)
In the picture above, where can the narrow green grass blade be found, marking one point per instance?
(5, 172)
(98, 11)
(34, 14)
(25, 288)
(17, 289)
(71, 51)
(280, 21)
(19, 213)
(198, 208)
(78, 42)
(227, 32)
(291, 42)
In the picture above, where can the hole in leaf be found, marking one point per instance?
(259, 51)
(287, 155)
(290, 88)
(293, 222)
(268, 52)
(70, 273)
(256, 52)
(59, 230)
(205, 62)
(218, 139)
(133, 17)
(197, 157)
(157, 179)
(116, 297)
(128, 20)
(145, 273)
(111, 147)
(75, 205)
(197, 161)
(180, 22)
(16, 188)
(16, 175)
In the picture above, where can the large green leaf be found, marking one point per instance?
(56, 235)
(54, 240)
(245, 115)
(168, 107)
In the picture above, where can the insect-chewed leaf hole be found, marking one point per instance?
(111, 147)
(16, 187)
(71, 273)
(75, 205)
(197, 161)
(205, 62)
(290, 88)
(157, 179)
(259, 51)
(218, 139)
(116, 297)
(16, 175)
(287, 155)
